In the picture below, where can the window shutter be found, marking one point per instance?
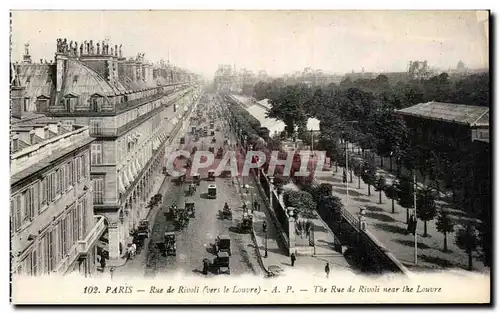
(71, 173)
(79, 219)
(36, 199)
(84, 165)
(45, 191)
(12, 214)
(63, 178)
(52, 186)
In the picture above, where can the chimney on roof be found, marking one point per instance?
(15, 142)
(32, 137)
(26, 56)
(46, 132)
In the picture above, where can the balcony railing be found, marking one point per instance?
(85, 245)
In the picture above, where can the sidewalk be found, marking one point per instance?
(277, 255)
(390, 228)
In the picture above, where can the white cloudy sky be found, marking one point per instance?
(277, 41)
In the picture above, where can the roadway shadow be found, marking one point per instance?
(237, 230)
(391, 228)
(361, 200)
(286, 264)
(412, 243)
(441, 262)
(381, 217)
(204, 196)
(210, 249)
(329, 244)
(351, 192)
(374, 208)
(220, 216)
(331, 179)
(320, 228)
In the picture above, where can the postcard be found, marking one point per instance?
(250, 157)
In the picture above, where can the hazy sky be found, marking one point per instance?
(277, 41)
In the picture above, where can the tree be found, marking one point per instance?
(288, 105)
(322, 190)
(247, 89)
(358, 170)
(406, 196)
(466, 239)
(330, 207)
(369, 175)
(426, 207)
(392, 192)
(380, 185)
(444, 225)
(261, 90)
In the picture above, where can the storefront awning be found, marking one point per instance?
(132, 168)
(138, 164)
(131, 174)
(121, 187)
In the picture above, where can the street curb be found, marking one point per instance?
(254, 237)
(257, 251)
(281, 233)
(379, 244)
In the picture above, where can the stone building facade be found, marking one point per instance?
(130, 113)
(53, 226)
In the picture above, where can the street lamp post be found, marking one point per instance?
(347, 169)
(415, 212)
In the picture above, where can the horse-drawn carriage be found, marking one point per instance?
(219, 154)
(212, 191)
(141, 234)
(212, 133)
(222, 244)
(196, 178)
(181, 219)
(211, 175)
(214, 140)
(221, 263)
(182, 140)
(211, 149)
(170, 244)
(191, 189)
(246, 222)
(227, 213)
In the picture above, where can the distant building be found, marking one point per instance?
(459, 131)
(418, 70)
(458, 124)
(53, 227)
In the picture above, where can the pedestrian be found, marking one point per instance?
(264, 226)
(344, 177)
(327, 270)
(293, 258)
